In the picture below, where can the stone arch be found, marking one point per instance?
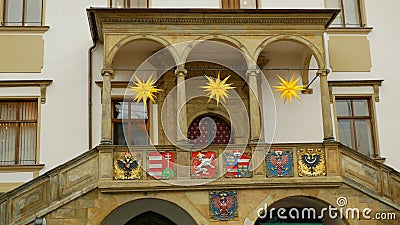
(218, 38)
(216, 115)
(316, 52)
(311, 202)
(219, 113)
(129, 210)
(114, 49)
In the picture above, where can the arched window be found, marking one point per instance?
(209, 129)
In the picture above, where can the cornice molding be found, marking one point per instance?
(29, 83)
(21, 168)
(355, 83)
(355, 30)
(24, 29)
(237, 19)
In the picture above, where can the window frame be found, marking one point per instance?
(236, 4)
(37, 150)
(129, 121)
(361, 15)
(127, 4)
(372, 118)
(3, 14)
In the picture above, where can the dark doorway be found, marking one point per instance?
(209, 129)
(150, 218)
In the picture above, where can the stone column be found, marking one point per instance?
(326, 106)
(106, 107)
(255, 116)
(180, 74)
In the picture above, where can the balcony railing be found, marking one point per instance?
(95, 169)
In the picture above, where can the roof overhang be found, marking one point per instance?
(239, 19)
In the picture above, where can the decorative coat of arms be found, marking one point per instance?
(161, 165)
(237, 164)
(311, 162)
(203, 164)
(279, 163)
(223, 205)
(126, 167)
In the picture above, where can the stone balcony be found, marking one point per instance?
(95, 170)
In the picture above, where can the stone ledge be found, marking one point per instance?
(21, 168)
(242, 183)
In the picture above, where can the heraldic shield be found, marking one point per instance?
(311, 162)
(223, 205)
(237, 163)
(203, 164)
(161, 165)
(126, 167)
(279, 163)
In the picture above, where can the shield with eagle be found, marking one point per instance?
(203, 164)
(279, 163)
(311, 162)
(126, 167)
(223, 205)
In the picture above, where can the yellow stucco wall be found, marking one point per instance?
(21, 53)
(349, 53)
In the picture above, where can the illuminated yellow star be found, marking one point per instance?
(217, 88)
(289, 89)
(144, 90)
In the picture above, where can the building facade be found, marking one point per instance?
(107, 115)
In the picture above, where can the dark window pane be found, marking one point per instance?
(138, 111)
(139, 135)
(119, 137)
(364, 137)
(346, 134)
(343, 107)
(360, 107)
(33, 13)
(121, 110)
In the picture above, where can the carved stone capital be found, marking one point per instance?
(253, 72)
(107, 72)
(323, 72)
(180, 70)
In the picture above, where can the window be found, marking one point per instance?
(355, 125)
(18, 132)
(130, 123)
(239, 4)
(22, 12)
(350, 14)
(129, 3)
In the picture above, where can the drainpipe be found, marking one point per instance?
(90, 78)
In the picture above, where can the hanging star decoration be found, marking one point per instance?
(145, 90)
(289, 89)
(217, 88)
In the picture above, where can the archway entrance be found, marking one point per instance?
(149, 211)
(150, 218)
(299, 210)
(209, 129)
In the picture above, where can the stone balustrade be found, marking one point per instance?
(322, 165)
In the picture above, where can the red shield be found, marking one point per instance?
(203, 164)
(161, 165)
